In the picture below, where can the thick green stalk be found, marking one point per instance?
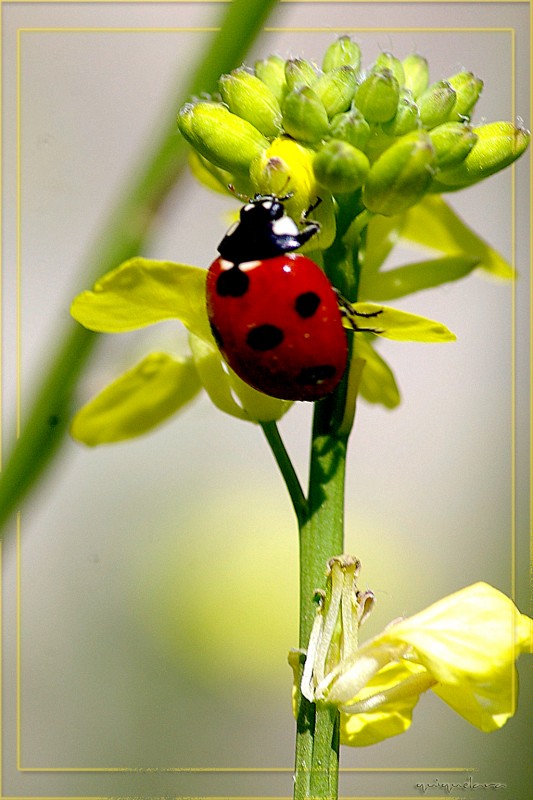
(123, 236)
(321, 538)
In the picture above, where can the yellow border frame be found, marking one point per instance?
(513, 243)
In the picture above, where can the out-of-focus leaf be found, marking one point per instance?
(377, 384)
(138, 400)
(432, 223)
(392, 323)
(382, 234)
(411, 278)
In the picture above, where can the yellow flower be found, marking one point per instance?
(142, 292)
(463, 648)
(139, 293)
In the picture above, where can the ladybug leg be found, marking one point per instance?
(349, 315)
(307, 233)
(312, 208)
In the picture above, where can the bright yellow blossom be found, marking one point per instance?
(463, 648)
(142, 292)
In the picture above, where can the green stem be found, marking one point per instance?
(287, 470)
(123, 237)
(321, 538)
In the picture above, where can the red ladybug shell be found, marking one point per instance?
(278, 325)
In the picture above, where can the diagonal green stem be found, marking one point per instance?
(123, 236)
(287, 470)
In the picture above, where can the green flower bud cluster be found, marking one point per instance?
(384, 134)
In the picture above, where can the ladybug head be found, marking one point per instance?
(263, 209)
(263, 231)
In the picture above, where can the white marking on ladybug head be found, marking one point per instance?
(285, 226)
(226, 264)
(267, 204)
(248, 207)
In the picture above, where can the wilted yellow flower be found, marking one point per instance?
(463, 648)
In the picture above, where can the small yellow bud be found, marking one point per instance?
(416, 72)
(251, 99)
(386, 60)
(400, 177)
(498, 145)
(299, 72)
(336, 89)
(339, 167)
(377, 96)
(452, 142)
(436, 104)
(286, 167)
(407, 117)
(304, 115)
(467, 91)
(272, 72)
(351, 127)
(342, 52)
(222, 137)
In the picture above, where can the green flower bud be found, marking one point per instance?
(401, 175)
(378, 142)
(299, 72)
(351, 127)
(342, 52)
(436, 103)
(272, 72)
(416, 73)
(406, 119)
(336, 89)
(251, 99)
(498, 145)
(222, 137)
(377, 96)
(304, 115)
(339, 167)
(467, 90)
(386, 60)
(452, 142)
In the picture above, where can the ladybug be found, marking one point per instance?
(273, 313)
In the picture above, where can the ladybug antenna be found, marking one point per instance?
(243, 197)
(287, 195)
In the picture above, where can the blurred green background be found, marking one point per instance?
(157, 579)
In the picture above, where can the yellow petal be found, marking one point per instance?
(214, 376)
(259, 407)
(137, 401)
(378, 384)
(468, 642)
(224, 387)
(141, 292)
(388, 719)
(391, 323)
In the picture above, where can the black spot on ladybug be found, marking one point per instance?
(216, 336)
(232, 283)
(264, 337)
(306, 304)
(311, 376)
